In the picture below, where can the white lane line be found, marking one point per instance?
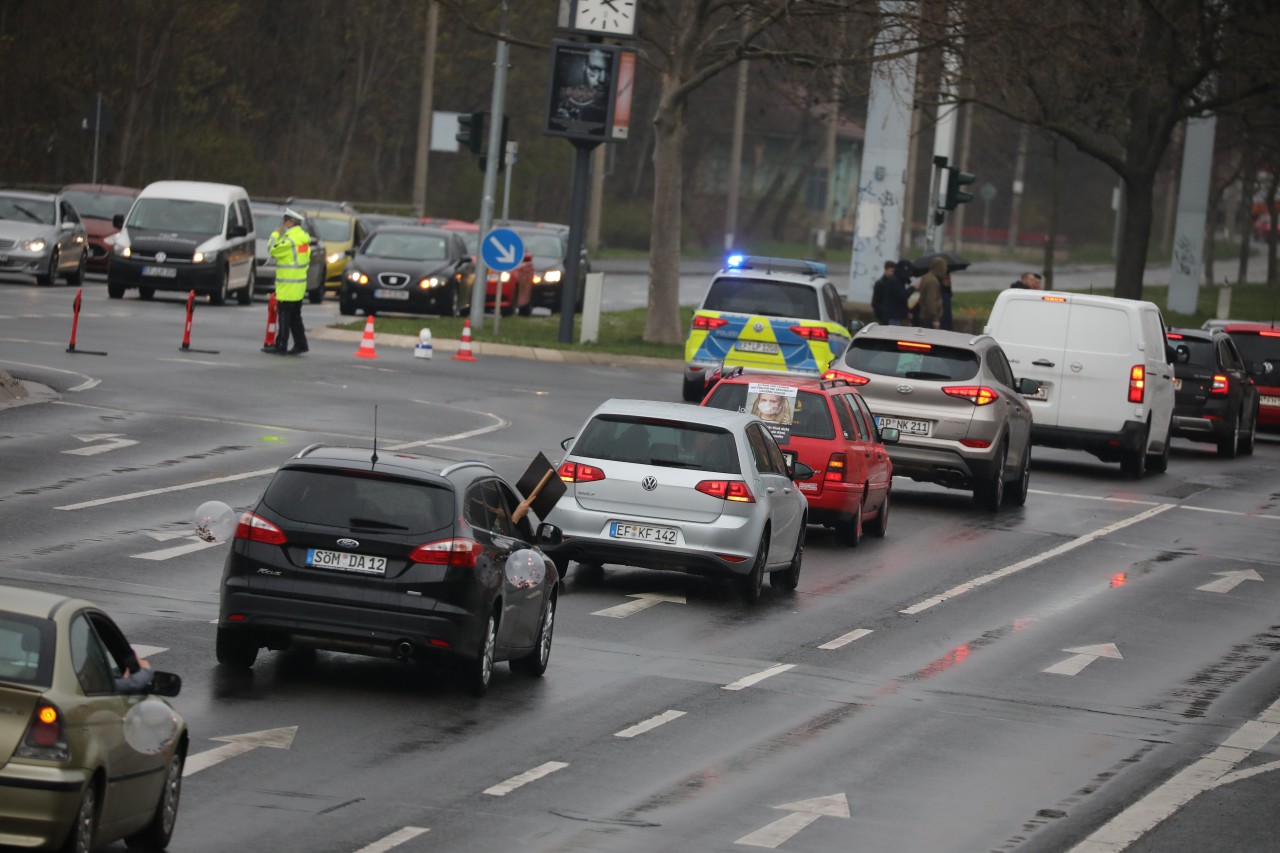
(502, 423)
(395, 839)
(759, 676)
(147, 651)
(643, 601)
(970, 586)
(1153, 503)
(1230, 512)
(504, 788)
(177, 550)
(198, 361)
(855, 634)
(182, 487)
(650, 724)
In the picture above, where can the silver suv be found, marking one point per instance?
(959, 410)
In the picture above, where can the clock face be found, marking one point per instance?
(617, 17)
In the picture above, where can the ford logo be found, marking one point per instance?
(648, 484)
(160, 257)
(905, 389)
(348, 543)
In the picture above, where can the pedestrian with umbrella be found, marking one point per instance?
(930, 287)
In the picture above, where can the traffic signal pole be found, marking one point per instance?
(496, 110)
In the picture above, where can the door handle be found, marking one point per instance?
(1042, 362)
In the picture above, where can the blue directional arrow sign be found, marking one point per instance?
(502, 250)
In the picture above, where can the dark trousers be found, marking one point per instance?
(289, 322)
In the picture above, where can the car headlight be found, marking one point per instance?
(122, 250)
(552, 276)
(334, 257)
(204, 257)
(357, 277)
(429, 282)
(36, 245)
(505, 277)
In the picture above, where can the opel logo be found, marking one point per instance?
(160, 257)
(348, 543)
(758, 326)
(905, 389)
(648, 484)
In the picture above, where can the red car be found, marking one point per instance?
(517, 284)
(97, 204)
(1259, 345)
(825, 424)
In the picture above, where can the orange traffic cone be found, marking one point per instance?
(464, 346)
(366, 343)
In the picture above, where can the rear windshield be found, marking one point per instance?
(1201, 352)
(906, 360)
(1255, 347)
(26, 649)
(654, 441)
(364, 500)
(175, 214)
(811, 418)
(763, 297)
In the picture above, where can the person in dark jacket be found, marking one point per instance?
(885, 297)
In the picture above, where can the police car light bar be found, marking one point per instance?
(760, 262)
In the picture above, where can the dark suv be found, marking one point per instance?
(1214, 397)
(382, 554)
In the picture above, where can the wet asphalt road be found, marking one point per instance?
(970, 682)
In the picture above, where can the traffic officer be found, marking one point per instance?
(290, 247)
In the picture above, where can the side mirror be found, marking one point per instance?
(1181, 354)
(165, 684)
(1028, 387)
(890, 435)
(117, 221)
(237, 231)
(549, 534)
(350, 253)
(567, 443)
(67, 225)
(856, 326)
(800, 471)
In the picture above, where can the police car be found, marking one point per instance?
(766, 315)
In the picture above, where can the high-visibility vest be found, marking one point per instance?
(292, 253)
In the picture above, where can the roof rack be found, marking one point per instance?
(768, 264)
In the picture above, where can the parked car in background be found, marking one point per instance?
(41, 235)
(341, 232)
(389, 555)
(374, 221)
(418, 270)
(1259, 345)
(321, 204)
(957, 406)
(267, 218)
(680, 488)
(825, 424)
(98, 205)
(83, 763)
(1214, 397)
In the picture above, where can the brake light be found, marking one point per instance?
(701, 322)
(255, 528)
(1137, 383)
(576, 472)
(977, 443)
(851, 378)
(835, 468)
(1270, 334)
(44, 738)
(913, 345)
(730, 490)
(1054, 298)
(1219, 385)
(979, 395)
(1173, 336)
(448, 552)
(812, 333)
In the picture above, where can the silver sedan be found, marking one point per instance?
(41, 235)
(681, 488)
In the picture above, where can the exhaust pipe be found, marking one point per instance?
(404, 650)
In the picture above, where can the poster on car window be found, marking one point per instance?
(773, 404)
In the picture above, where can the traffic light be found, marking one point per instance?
(955, 180)
(502, 148)
(471, 131)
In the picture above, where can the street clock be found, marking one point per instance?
(613, 18)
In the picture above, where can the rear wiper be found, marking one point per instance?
(673, 463)
(924, 374)
(373, 522)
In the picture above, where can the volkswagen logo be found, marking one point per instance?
(160, 257)
(758, 326)
(648, 484)
(348, 543)
(905, 389)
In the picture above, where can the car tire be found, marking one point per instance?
(156, 834)
(1159, 463)
(234, 650)
(346, 305)
(990, 493)
(478, 671)
(753, 583)
(1133, 463)
(1250, 436)
(50, 275)
(1017, 496)
(1229, 447)
(219, 297)
(244, 296)
(880, 524)
(147, 293)
(115, 291)
(526, 310)
(692, 390)
(76, 278)
(316, 296)
(562, 567)
(534, 664)
(80, 836)
(789, 578)
(849, 528)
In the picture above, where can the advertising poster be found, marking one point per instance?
(622, 95)
(773, 404)
(582, 90)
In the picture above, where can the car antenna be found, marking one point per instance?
(374, 459)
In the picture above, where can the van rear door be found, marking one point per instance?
(1032, 329)
(1101, 350)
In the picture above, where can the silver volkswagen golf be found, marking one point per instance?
(683, 488)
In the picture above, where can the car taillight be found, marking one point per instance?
(836, 468)
(448, 552)
(1137, 383)
(851, 378)
(701, 322)
(576, 472)
(979, 395)
(255, 528)
(812, 333)
(44, 738)
(1219, 385)
(730, 490)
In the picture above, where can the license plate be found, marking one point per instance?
(645, 532)
(391, 294)
(1269, 401)
(361, 563)
(161, 272)
(904, 425)
(756, 346)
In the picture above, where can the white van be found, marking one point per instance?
(1106, 378)
(184, 236)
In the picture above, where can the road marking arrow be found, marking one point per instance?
(239, 745)
(113, 440)
(1082, 657)
(802, 814)
(644, 600)
(506, 251)
(1230, 580)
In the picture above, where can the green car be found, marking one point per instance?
(87, 755)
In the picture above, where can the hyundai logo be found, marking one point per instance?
(648, 484)
(348, 543)
(160, 257)
(905, 389)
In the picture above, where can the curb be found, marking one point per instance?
(16, 392)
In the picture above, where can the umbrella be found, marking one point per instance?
(954, 263)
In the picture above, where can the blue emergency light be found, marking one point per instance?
(767, 264)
